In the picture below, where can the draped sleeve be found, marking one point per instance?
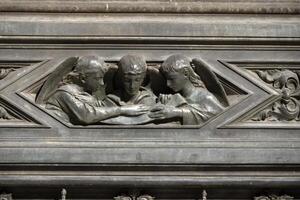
(198, 113)
(79, 107)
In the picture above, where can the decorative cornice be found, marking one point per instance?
(155, 6)
(82, 29)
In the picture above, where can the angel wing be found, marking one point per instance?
(51, 84)
(210, 80)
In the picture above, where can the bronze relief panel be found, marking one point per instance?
(178, 91)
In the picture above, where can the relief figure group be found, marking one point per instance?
(84, 99)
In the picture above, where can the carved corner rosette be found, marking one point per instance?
(286, 83)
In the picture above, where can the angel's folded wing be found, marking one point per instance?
(51, 84)
(210, 80)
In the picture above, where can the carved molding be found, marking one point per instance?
(154, 6)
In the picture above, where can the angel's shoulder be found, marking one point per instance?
(70, 88)
(201, 95)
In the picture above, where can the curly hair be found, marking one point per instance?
(180, 63)
(132, 64)
(90, 64)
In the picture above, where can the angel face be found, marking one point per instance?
(91, 70)
(132, 83)
(132, 70)
(176, 69)
(93, 81)
(176, 80)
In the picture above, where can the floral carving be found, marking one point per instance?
(286, 82)
(274, 197)
(4, 114)
(5, 71)
(134, 197)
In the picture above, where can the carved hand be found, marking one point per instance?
(134, 110)
(164, 98)
(165, 112)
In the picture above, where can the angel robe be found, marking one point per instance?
(144, 97)
(72, 104)
(198, 107)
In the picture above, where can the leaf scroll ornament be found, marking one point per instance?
(286, 82)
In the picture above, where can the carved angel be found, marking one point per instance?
(192, 102)
(83, 100)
